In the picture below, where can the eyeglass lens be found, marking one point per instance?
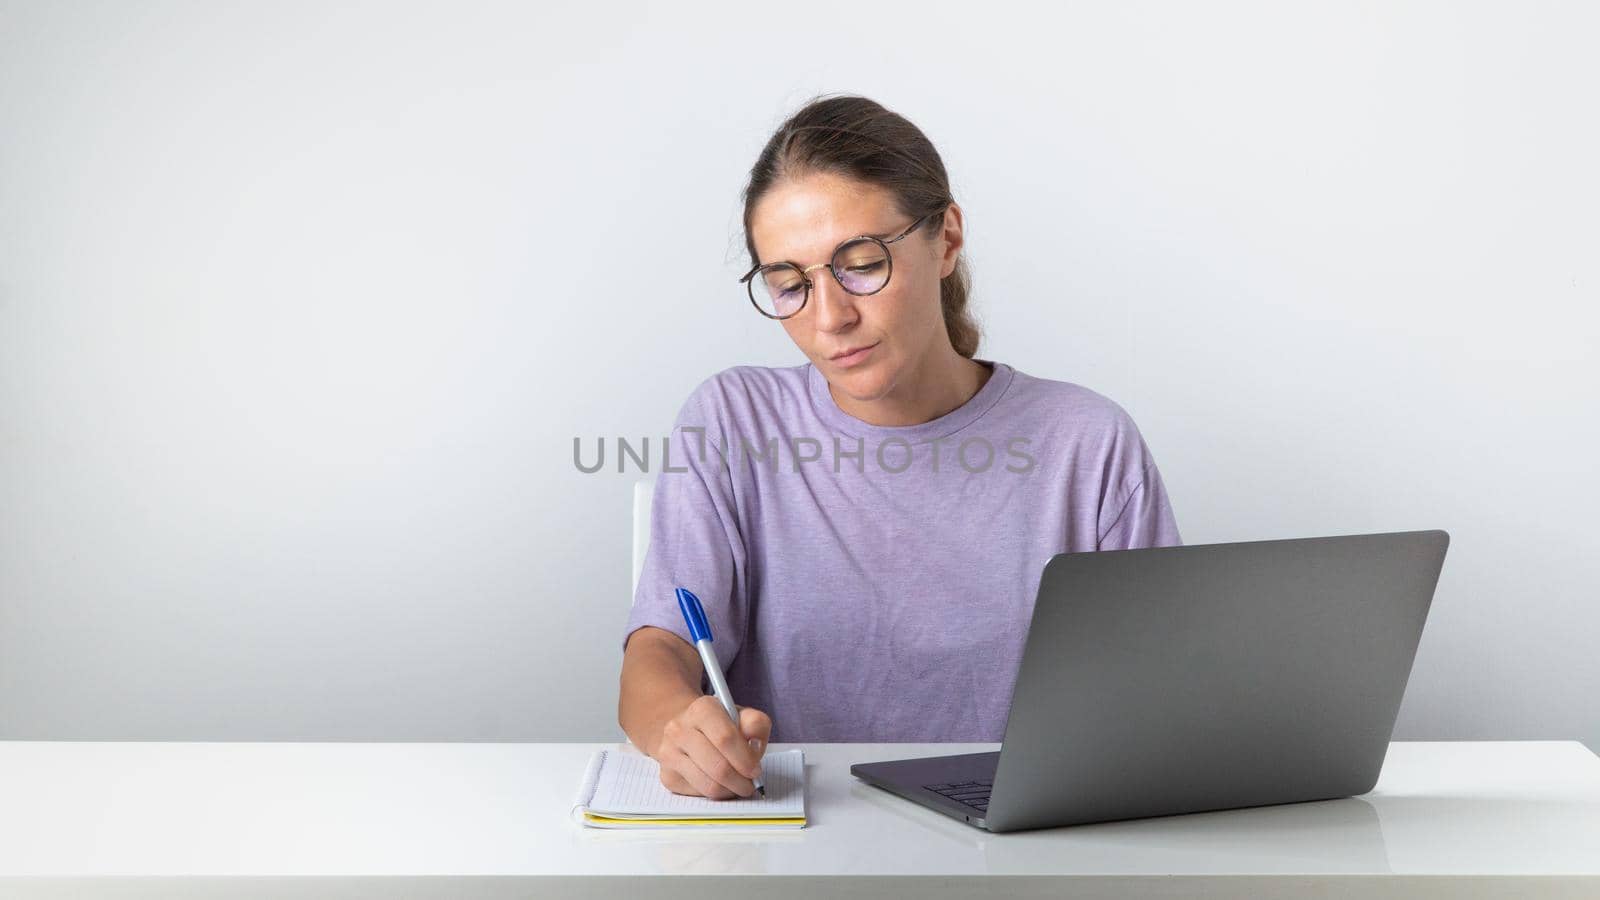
(861, 265)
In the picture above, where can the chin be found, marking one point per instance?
(864, 384)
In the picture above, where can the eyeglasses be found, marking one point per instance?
(861, 264)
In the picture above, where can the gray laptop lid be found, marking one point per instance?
(1179, 679)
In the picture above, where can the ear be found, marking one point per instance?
(951, 239)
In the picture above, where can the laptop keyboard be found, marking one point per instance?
(973, 793)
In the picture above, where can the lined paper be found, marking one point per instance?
(629, 785)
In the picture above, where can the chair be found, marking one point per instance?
(643, 491)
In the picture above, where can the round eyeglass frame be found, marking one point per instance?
(749, 277)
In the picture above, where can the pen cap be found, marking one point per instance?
(694, 616)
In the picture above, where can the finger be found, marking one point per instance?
(757, 728)
(679, 772)
(671, 778)
(689, 775)
(716, 765)
(732, 742)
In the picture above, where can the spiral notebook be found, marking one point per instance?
(624, 790)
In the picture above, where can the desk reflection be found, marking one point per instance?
(1328, 836)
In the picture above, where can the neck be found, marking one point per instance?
(933, 388)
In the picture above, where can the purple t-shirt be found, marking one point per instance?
(875, 583)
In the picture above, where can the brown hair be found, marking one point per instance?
(858, 138)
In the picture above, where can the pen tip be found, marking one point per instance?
(762, 790)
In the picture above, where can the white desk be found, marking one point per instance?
(491, 820)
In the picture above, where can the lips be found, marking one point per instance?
(843, 353)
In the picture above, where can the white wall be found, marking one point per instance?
(301, 309)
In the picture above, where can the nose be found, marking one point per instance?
(836, 307)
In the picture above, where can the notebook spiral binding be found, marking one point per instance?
(591, 779)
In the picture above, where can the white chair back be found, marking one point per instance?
(643, 491)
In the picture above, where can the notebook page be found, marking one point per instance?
(630, 785)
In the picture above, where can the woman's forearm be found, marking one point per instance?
(660, 678)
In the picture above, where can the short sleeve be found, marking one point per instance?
(1146, 519)
(695, 540)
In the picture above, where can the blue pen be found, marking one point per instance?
(700, 633)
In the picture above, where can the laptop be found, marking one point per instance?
(1174, 680)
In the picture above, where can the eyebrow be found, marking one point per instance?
(882, 236)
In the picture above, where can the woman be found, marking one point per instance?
(866, 531)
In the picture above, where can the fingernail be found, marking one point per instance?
(755, 744)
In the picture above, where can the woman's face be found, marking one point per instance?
(896, 330)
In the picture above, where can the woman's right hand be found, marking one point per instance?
(703, 755)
